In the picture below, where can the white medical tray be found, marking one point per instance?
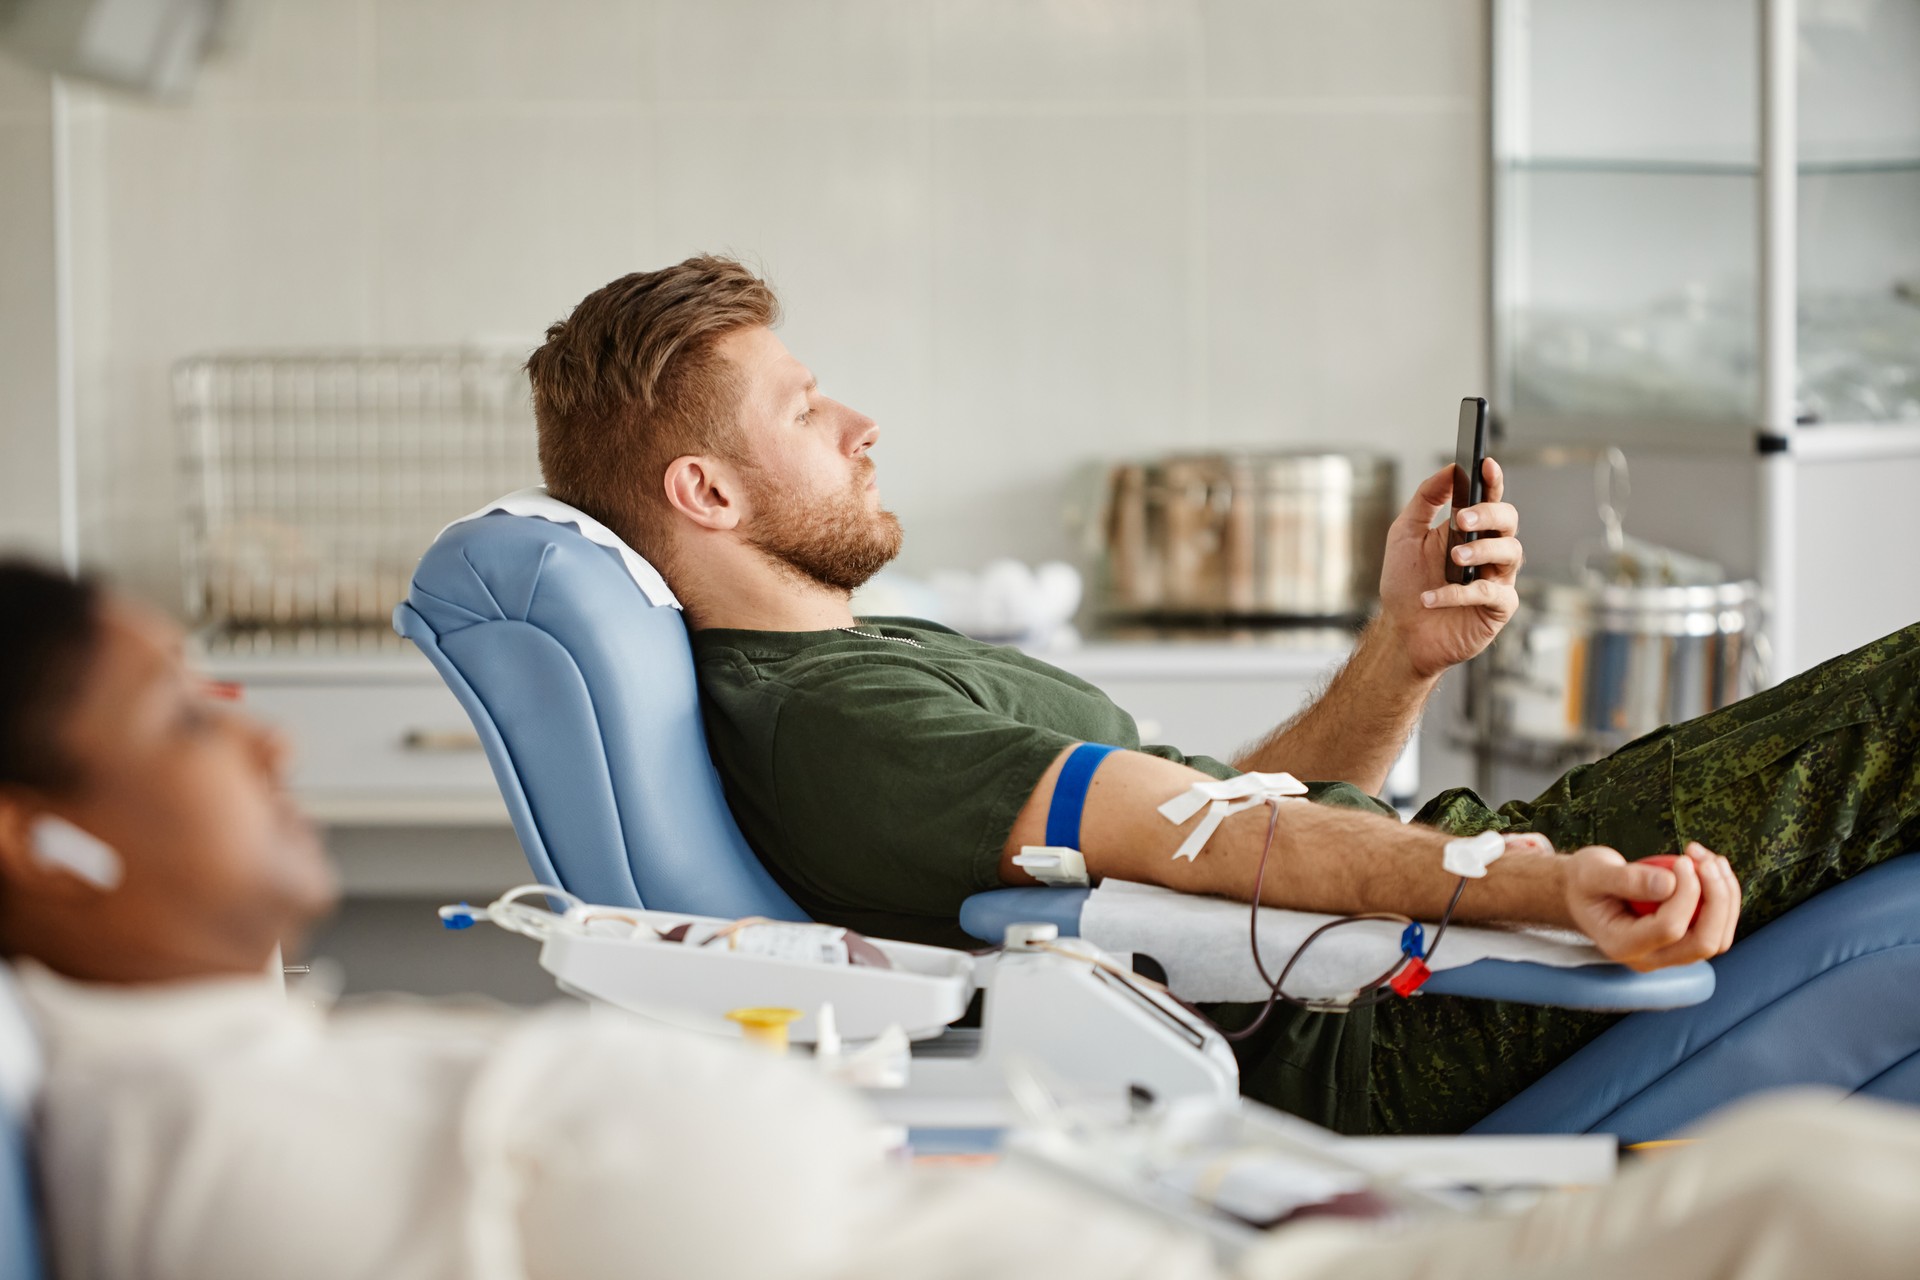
(695, 986)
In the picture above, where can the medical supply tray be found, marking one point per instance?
(925, 989)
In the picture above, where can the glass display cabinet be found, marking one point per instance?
(1706, 241)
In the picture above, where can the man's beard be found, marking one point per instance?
(837, 543)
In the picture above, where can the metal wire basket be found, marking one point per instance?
(315, 481)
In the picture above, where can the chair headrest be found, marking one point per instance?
(539, 503)
(584, 695)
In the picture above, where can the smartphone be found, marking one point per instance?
(1469, 480)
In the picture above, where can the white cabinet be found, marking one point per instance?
(377, 741)
(1205, 697)
(1216, 697)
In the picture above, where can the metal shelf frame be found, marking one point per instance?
(1770, 431)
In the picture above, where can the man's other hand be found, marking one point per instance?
(1701, 889)
(1436, 623)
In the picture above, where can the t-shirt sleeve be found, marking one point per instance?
(895, 790)
(1205, 764)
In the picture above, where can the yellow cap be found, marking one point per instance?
(765, 1027)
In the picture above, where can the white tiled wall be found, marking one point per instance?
(29, 516)
(1025, 234)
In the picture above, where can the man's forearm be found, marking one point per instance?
(1324, 858)
(1354, 730)
(1344, 861)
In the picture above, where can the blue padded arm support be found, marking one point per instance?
(986, 915)
(1610, 988)
(1602, 986)
(1822, 995)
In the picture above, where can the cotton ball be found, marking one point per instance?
(958, 596)
(891, 594)
(1060, 589)
(1009, 596)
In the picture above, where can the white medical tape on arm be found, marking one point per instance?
(1470, 856)
(1222, 799)
(1053, 865)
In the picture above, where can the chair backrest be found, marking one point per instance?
(19, 1229)
(20, 1253)
(582, 691)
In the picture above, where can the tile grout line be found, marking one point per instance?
(372, 182)
(614, 107)
(929, 329)
(1199, 349)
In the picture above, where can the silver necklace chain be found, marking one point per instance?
(868, 635)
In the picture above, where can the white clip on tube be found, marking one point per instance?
(1470, 856)
(1053, 865)
(1223, 799)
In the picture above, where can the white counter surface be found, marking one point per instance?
(1301, 655)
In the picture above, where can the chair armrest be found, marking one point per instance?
(986, 915)
(1598, 986)
(1611, 987)
(1821, 996)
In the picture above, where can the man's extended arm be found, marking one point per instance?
(1358, 725)
(1344, 861)
(1356, 728)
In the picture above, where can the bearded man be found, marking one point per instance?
(885, 769)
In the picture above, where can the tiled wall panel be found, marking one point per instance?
(1025, 234)
(29, 447)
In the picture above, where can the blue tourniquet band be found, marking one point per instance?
(1070, 794)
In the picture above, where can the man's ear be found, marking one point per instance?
(705, 491)
(25, 869)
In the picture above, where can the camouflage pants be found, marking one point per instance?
(1800, 787)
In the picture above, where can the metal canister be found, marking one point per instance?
(1248, 536)
(1591, 667)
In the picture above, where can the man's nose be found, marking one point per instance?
(862, 432)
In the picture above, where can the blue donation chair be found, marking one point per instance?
(582, 690)
(20, 1250)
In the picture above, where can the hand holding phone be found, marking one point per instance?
(1469, 480)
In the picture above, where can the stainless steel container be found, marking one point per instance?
(1247, 536)
(1588, 668)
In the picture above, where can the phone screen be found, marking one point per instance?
(1469, 479)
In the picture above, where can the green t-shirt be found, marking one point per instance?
(877, 776)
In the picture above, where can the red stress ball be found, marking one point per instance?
(1648, 908)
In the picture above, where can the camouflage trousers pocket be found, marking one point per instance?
(1625, 803)
(1785, 788)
